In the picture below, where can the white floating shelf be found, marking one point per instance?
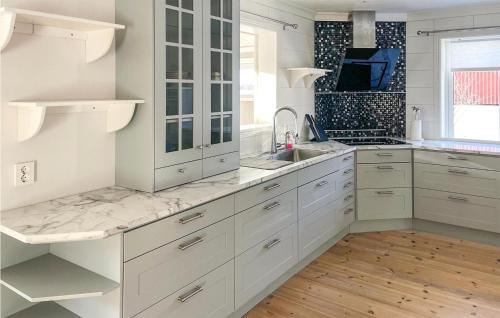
(308, 74)
(98, 35)
(45, 310)
(31, 114)
(50, 278)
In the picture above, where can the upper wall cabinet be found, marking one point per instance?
(183, 56)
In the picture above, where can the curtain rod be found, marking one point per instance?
(285, 24)
(460, 29)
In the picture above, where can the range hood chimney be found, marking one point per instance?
(364, 29)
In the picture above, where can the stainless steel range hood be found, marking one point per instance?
(364, 29)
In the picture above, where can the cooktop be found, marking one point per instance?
(375, 141)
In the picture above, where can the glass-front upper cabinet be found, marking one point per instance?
(178, 81)
(221, 85)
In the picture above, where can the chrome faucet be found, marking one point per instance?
(274, 144)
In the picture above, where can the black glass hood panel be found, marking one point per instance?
(367, 69)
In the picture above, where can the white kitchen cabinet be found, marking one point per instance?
(188, 77)
(384, 175)
(383, 204)
(159, 273)
(452, 159)
(259, 266)
(458, 209)
(211, 296)
(384, 155)
(318, 193)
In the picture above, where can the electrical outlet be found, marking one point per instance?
(24, 173)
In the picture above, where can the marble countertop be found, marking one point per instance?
(101, 213)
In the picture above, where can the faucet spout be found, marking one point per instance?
(274, 144)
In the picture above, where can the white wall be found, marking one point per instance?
(423, 61)
(295, 49)
(73, 152)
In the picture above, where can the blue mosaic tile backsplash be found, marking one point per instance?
(359, 111)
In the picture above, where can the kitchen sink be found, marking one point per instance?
(295, 155)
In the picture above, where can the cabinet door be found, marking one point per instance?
(221, 77)
(178, 81)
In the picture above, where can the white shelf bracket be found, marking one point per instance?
(29, 121)
(119, 116)
(308, 75)
(7, 24)
(98, 44)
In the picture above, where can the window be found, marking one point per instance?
(471, 88)
(257, 76)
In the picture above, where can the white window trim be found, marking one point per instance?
(441, 98)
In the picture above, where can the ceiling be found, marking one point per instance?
(399, 6)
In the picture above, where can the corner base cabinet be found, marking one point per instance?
(182, 58)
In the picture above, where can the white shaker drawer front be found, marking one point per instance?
(458, 160)
(156, 275)
(347, 216)
(347, 199)
(384, 204)
(220, 164)
(264, 263)
(180, 174)
(154, 235)
(255, 224)
(317, 194)
(387, 175)
(346, 173)
(347, 160)
(319, 170)
(252, 196)
(383, 156)
(316, 229)
(457, 209)
(212, 296)
(459, 180)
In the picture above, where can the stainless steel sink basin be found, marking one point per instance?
(295, 155)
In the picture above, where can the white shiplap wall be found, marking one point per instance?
(423, 58)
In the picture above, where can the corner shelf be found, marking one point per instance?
(31, 114)
(56, 279)
(45, 310)
(308, 74)
(98, 35)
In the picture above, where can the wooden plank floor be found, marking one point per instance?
(393, 274)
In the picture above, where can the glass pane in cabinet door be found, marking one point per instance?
(215, 130)
(187, 4)
(228, 36)
(228, 9)
(172, 135)
(216, 98)
(187, 63)
(187, 133)
(187, 28)
(228, 128)
(228, 97)
(172, 25)
(187, 99)
(216, 67)
(228, 67)
(172, 99)
(215, 8)
(173, 3)
(215, 34)
(172, 62)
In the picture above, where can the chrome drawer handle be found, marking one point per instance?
(348, 171)
(348, 211)
(348, 158)
(348, 185)
(272, 206)
(191, 218)
(222, 160)
(385, 168)
(349, 197)
(461, 172)
(182, 170)
(385, 192)
(272, 187)
(189, 244)
(199, 147)
(322, 184)
(272, 244)
(461, 199)
(208, 146)
(190, 294)
(385, 154)
(458, 158)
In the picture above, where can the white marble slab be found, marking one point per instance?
(105, 212)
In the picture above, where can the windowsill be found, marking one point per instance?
(473, 141)
(248, 130)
